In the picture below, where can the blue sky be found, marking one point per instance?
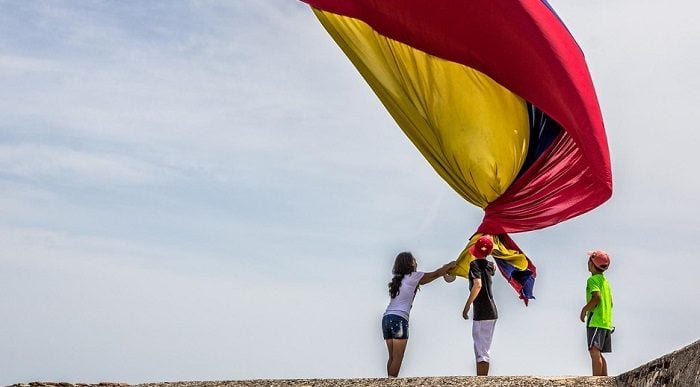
(208, 190)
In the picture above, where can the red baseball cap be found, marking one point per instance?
(600, 259)
(482, 247)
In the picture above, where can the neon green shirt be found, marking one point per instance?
(601, 316)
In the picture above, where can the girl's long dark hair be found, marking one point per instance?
(404, 264)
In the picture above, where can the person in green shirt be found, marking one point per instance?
(598, 311)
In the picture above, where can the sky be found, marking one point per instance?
(208, 190)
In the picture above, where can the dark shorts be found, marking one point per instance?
(394, 327)
(599, 338)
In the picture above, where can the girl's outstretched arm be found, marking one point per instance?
(431, 276)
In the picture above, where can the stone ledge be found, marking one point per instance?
(465, 381)
(678, 368)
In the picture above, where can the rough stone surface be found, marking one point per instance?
(493, 381)
(466, 381)
(678, 368)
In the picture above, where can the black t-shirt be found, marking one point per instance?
(484, 306)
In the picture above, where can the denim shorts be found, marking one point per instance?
(394, 327)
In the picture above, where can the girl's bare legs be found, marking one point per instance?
(396, 348)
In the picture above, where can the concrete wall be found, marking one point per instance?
(679, 368)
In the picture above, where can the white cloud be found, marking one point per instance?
(50, 162)
(15, 65)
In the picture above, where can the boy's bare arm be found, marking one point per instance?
(590, 305)
(472, 296)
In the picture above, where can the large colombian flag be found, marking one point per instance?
(497, 97)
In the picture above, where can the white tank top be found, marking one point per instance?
(401, 304)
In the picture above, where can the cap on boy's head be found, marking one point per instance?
(600, 259)
(482, 247)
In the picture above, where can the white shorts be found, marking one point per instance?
(482, 333)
